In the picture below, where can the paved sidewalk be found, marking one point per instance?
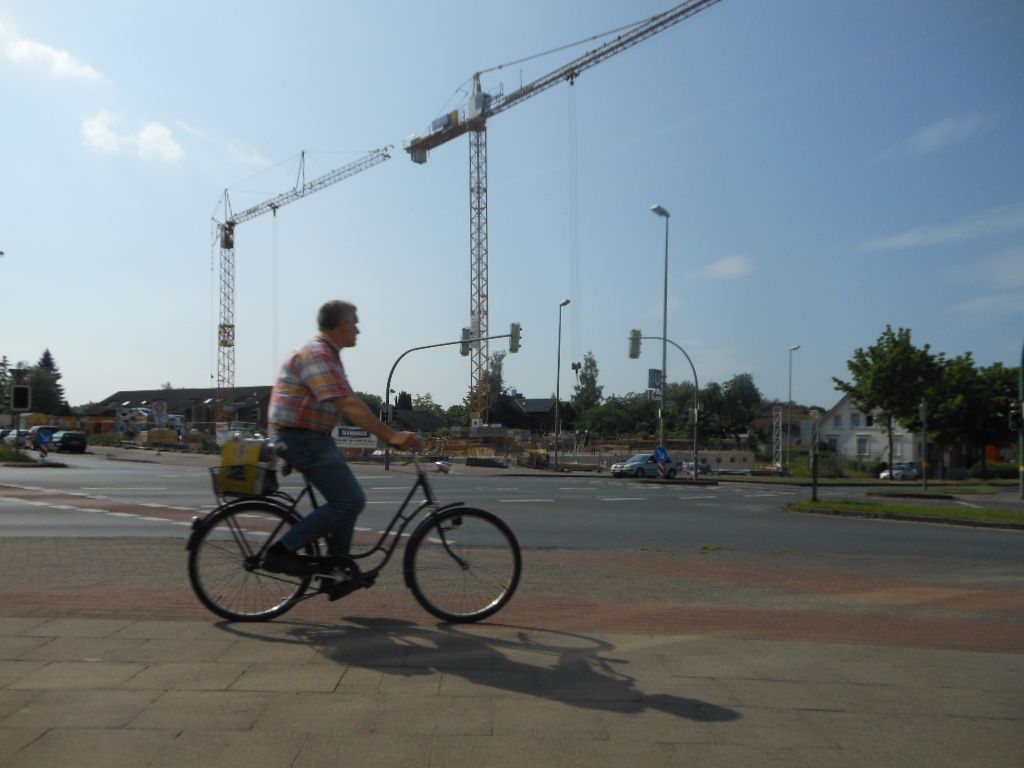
(602, 659)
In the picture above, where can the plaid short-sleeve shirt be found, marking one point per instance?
(310, 381)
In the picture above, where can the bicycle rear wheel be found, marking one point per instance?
(463, 564)
(223, 563)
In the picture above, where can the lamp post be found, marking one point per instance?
(558, 383)
(657, 210)
(789, 406)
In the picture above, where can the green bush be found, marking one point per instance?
(10, 453)
(992, 471)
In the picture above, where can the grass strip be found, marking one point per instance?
(914, 511)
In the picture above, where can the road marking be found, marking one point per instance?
(526, 501)
(118, 488)
(968, 504)
(621, 498)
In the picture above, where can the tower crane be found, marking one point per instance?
(226, 231)
(473, 120)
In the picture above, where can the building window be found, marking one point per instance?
(869, 419)
(833, 444)
(863, 446)
(837, 421)
(854, 419)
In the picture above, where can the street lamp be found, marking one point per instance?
(789, 406)
(657, 210)
(558, 382)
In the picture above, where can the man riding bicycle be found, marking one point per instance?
(310, 394)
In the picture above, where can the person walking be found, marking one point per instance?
(310, 394)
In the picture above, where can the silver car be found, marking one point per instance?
(643, 465)
(901, 472)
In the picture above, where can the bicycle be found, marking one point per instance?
(462, 564)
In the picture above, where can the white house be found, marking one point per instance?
(853, 434)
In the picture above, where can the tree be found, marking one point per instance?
(372, 401)
(404, 401)
(587, 392)
(47, 393)
(742, 403)
(456, 415)
(426, 404)
(889, 377)
(5, 380)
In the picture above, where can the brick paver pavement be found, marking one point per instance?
(602, 658)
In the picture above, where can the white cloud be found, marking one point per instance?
(996, 304)
(153, 141)
(247, 156)
(31, 53)
(190, 129)
(730, 268)
(99, 133)
(1006, 218)
(945, 133)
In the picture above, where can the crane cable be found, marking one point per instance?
(575, 251)
(461, 88)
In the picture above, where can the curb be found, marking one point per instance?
(912, 518)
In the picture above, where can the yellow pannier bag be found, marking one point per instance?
(246, 468)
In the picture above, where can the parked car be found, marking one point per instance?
(73, 442)
(901, 472)
(17, 438)
(643, 465)
(703, 468)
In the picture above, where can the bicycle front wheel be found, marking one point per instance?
(463, 564)
(224, 568)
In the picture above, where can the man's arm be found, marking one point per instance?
(359, 413)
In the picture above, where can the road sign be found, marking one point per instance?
(160, 412)
(43, 439)
(354, 437)
(661, 454)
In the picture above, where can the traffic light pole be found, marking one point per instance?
(635, 342)
(386, 415)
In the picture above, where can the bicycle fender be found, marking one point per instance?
(201, 522)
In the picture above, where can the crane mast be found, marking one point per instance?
(226, 231)
(473, 120)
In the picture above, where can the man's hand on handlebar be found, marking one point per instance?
(407, 441)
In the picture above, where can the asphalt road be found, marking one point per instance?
(574, 512)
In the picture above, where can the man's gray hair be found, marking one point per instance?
(333, 313)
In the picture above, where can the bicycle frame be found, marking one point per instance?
(402, 518)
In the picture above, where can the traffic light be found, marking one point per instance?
(515, 331)
(1015, 422)
(466, 337)
(634, 343)
(21, 397)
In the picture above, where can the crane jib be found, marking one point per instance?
(451, 129)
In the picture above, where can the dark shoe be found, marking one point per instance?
(341, 582)
(279, 560)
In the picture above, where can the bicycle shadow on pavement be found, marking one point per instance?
(571, 668)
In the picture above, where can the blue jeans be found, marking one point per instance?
(317, 457)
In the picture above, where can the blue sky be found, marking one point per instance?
(831, 167)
